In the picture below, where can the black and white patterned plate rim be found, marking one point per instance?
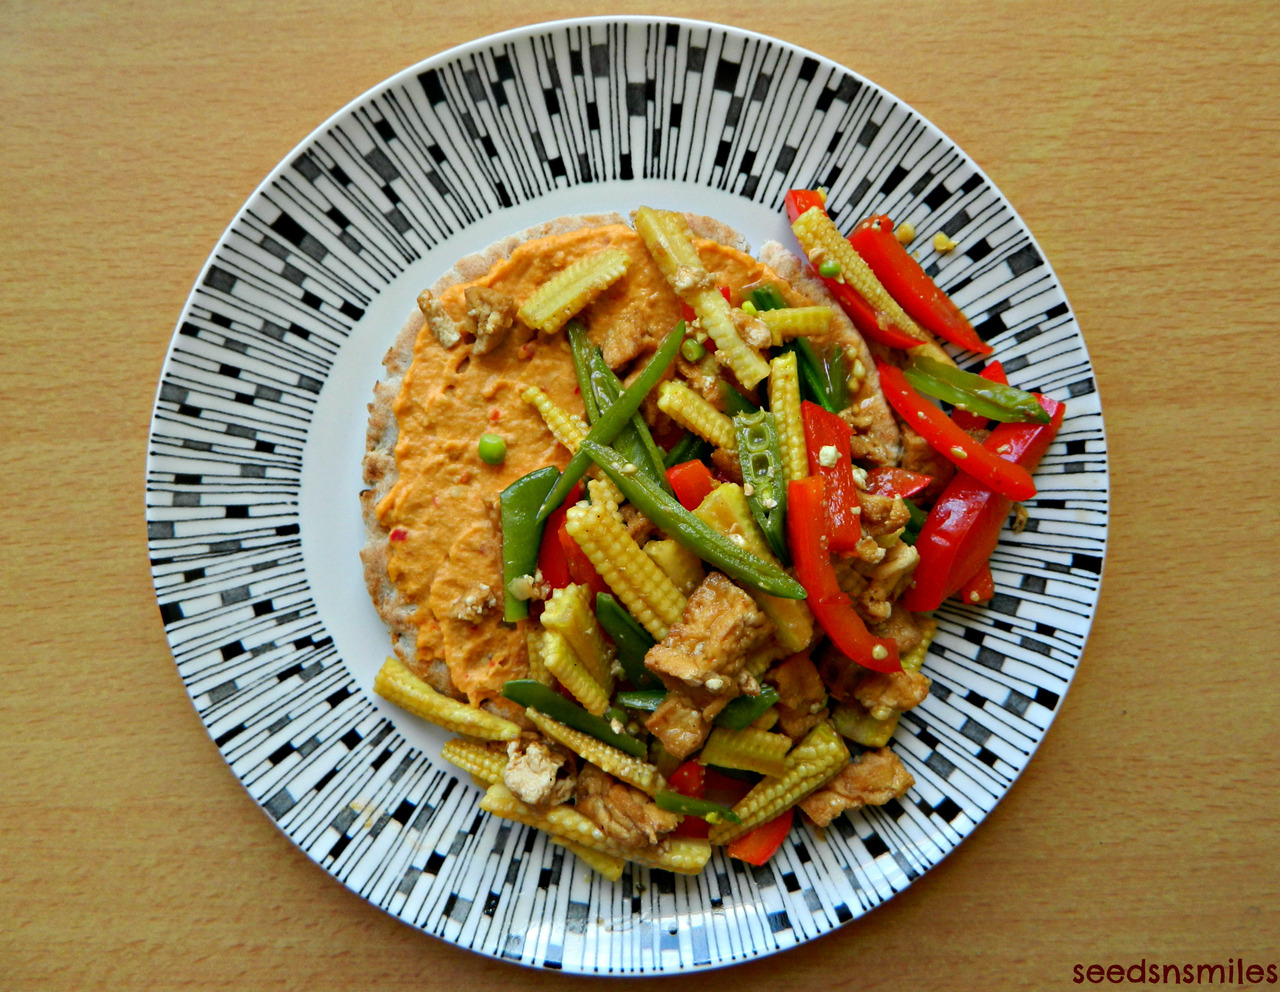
(517, 127)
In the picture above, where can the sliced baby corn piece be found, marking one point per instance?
(751, 750)
(619, 764)
(811, 764)
(564, 426)
(602, 491)
(471, 756)
(639, 584)
(680, 565)
(558, 299)
(913, 660)
(560, 821)
(694, 413)
(822, 241)
(563, 663)
(784, 401)
(537, 667)
(607, 865)
(795, 322)
(759, 660)
(670, 242)
(726, 510)
(683, 855)
(570, 612)
(397, 684)
(564, 823)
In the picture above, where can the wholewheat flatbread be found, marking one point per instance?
(381, 473)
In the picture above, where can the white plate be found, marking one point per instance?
(258, 433)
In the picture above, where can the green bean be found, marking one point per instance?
(734, 402)
(762, 476)
(709, 545)
(581, 347)
(634, 441)
(768, 297)
(690, 447)
(614, 419)
(742, 711)
(675, 802)
(544, 699)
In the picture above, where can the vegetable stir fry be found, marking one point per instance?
(725, 592)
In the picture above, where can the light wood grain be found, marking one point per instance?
(1139, 141)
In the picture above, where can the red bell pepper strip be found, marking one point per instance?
(810, 545)
(869, 323)
(560, 559)
(690, 780)
(691, 481)
(962, 528)
(758, 845)
(994, 372)
(800, 200)
(901, 482)
(830, 605)
(821, 430)
(1006, 477)
(979, 587)
(552, 561)
(911, 286)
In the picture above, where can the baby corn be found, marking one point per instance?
(395, 683)
(812, 763)
(639, 584)
(558, 299)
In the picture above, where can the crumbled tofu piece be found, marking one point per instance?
(474, 603)
(828, 455)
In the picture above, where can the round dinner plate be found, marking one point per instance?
(259, 428)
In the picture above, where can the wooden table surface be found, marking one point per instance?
(1141, 142)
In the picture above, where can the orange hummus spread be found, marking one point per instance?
(441, 513)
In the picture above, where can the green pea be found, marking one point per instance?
(692, 349)
(829, 269)
(493, 449)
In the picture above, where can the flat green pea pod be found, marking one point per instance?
(993, 400)
(521, 534)
(696, 535)
(763, 477)
(632, 641)
(544, 699)
(612, 420)
(675, 802)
